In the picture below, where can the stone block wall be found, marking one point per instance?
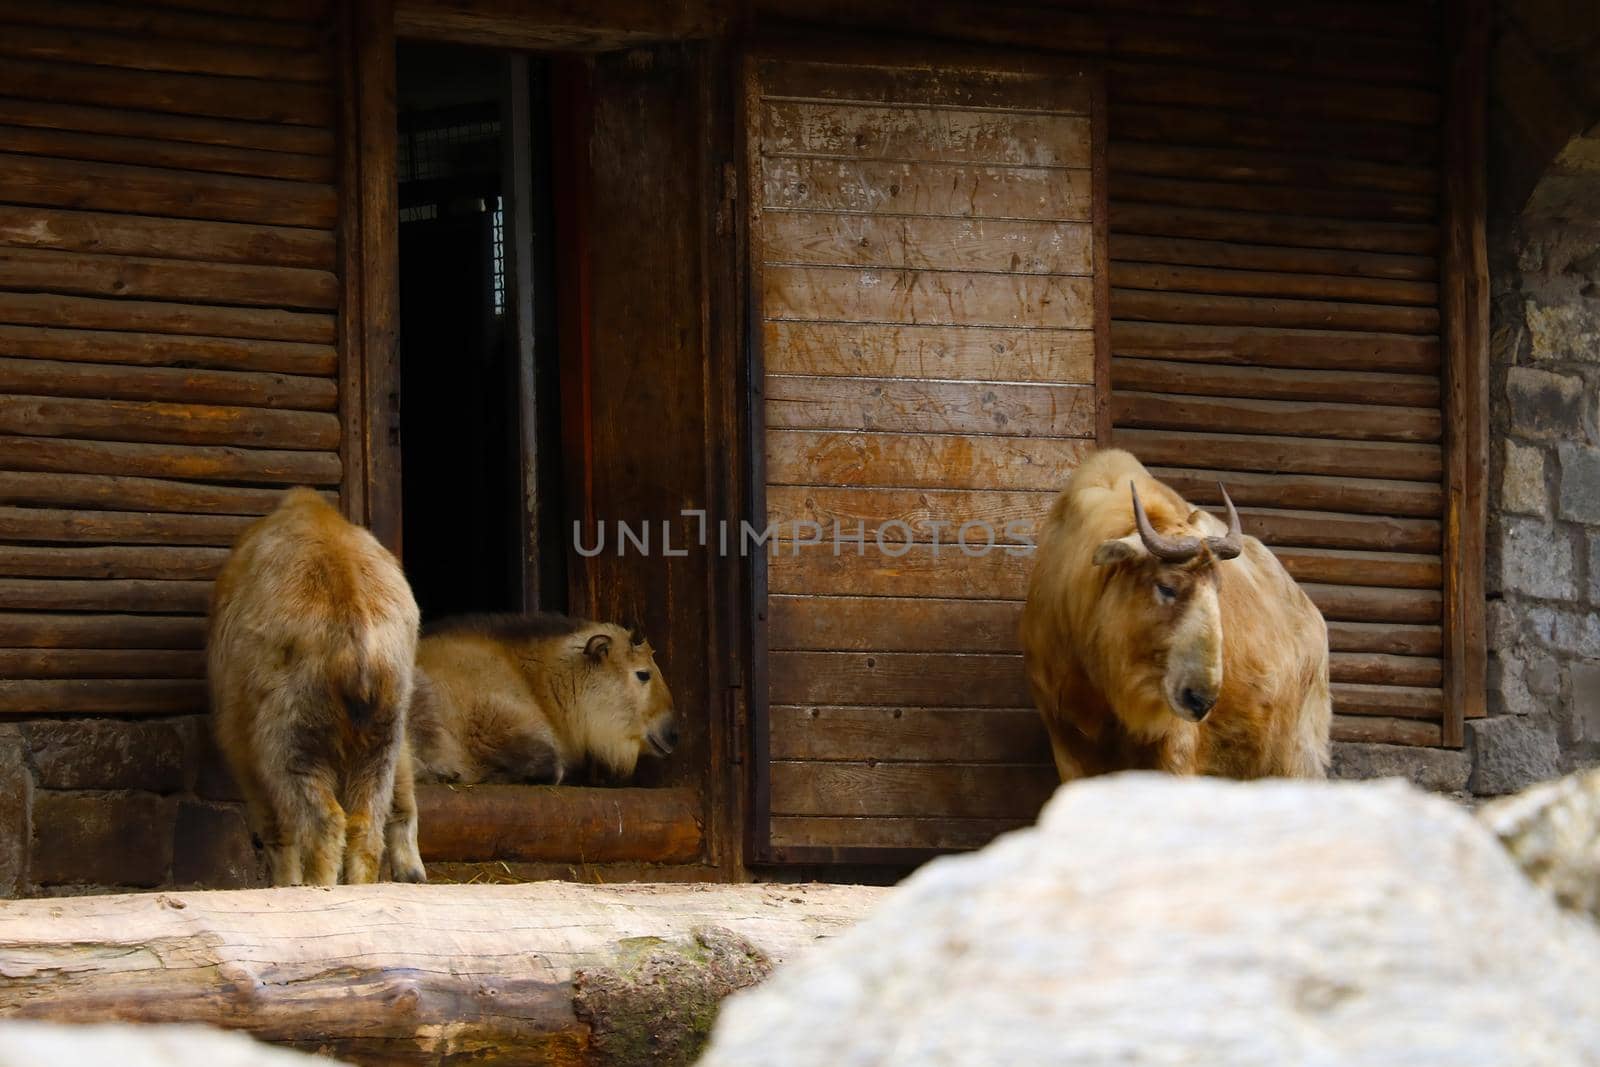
(115, 804)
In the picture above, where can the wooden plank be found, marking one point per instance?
(137, 595)
(885, 832)
(1375, 205)
(933, 135)
(107, 561)
(1205, 379)
(159, 22)
(100, 663)
(1385, 731)
(1256, 94)
(118, 120)
(167, 238)
(898, 679)
(118, 527)
(1367, 140)
(1243, 452)
(313, 11)
(933, 461)
(909, 734)
(917, 570)
(1386, 638)
(966, 353)
(1271, 346)
(40, 377)
(162, 350)
(533, 823)
(1102, 278)
(984, 790)
(1244, 165)
(117, 493)
(913, 242)
(1251, 227)
(1400, 570)
(96, 696)
(249, 99)
(137, 277)
(1365, 496)
(1353, 422)
(859, 624)
(928, 189)
(87, 185)
(1346, 603)
(159, 423)
(1374, 668)
(899, 405)
(1404, 702)
(1418, 272)
(177, 155)
(190, 462)
(893, 516)
(30, 309)
(1210, 310)
(943, 298)
(1324, 529)
(32, 630)
(235, 59)
(1185, 279)
(854, 82)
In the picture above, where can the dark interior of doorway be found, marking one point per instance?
(468, 501)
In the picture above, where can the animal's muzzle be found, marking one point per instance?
(1196, 705)
(665, 739)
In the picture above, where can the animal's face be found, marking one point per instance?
(633, 692)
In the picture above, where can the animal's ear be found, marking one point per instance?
(635, 635)
(1119, 550)
(598, 647)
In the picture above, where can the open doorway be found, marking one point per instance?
(479, 371)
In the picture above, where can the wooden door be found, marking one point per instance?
(928, 310)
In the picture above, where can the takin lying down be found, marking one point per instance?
(533, 698)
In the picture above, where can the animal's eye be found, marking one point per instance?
(1166, 592)
(643, 676)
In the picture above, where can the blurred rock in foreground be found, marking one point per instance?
(1553, 831)
(36, 1044)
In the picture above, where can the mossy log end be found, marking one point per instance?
(547, 972)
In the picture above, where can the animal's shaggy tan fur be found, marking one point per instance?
(1106, 649)
(313, 637)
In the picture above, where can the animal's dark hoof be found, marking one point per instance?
(415, 875)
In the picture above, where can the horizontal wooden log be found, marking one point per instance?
(958, 790)
(908, 734)
(167, 238)
(28, 309)
(1386, 638)
(1398, 570)
(294, 11)
(162, 350)
(34, 630)
(904, 570)
(212, 463)
(107, 561)
(40, 663)
(1363, 496)
(1162, 277)
(39, 377)
(143, 278)
(866, 84)
(118, 527)
(1300, 455)
(1297, 418)
(1374, 277)
(886, 832)
(111, 49)
(102, 696)
(117, 493)
(1257, 94)
(1208, 310)
(1274, 347)
(548, 972)
(1346, 603)
(159, 423)
(553, 823)
(1386, 731)
(890, 517)
(135, 595)
(1326, 529)
(249, 99)
(941, 461)
(1009, 246)
(117, 120)
(1275, 383)
(1365, 140)
(1368, 204)
(140, 151)
(955, 190)
(903, 405)
(898, 679)
(1374, 668)
(1281, 168)
(942, 298)
(1402, 702)
(888, 624)
(1251, 227)
(970, 353)
(160, 22)
(904, 132)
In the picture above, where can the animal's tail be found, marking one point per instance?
(354, 682)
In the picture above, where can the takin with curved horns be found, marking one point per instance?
(1156, 638)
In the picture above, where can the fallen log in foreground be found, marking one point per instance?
(546, 972)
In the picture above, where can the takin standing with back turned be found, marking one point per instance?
(311, 651)
(1155, 637)
(532, 698)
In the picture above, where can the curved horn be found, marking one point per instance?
(1167, 549)
(1230, 544)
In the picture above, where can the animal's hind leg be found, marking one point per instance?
(368, 794)
(405, 859)
(311, 825)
